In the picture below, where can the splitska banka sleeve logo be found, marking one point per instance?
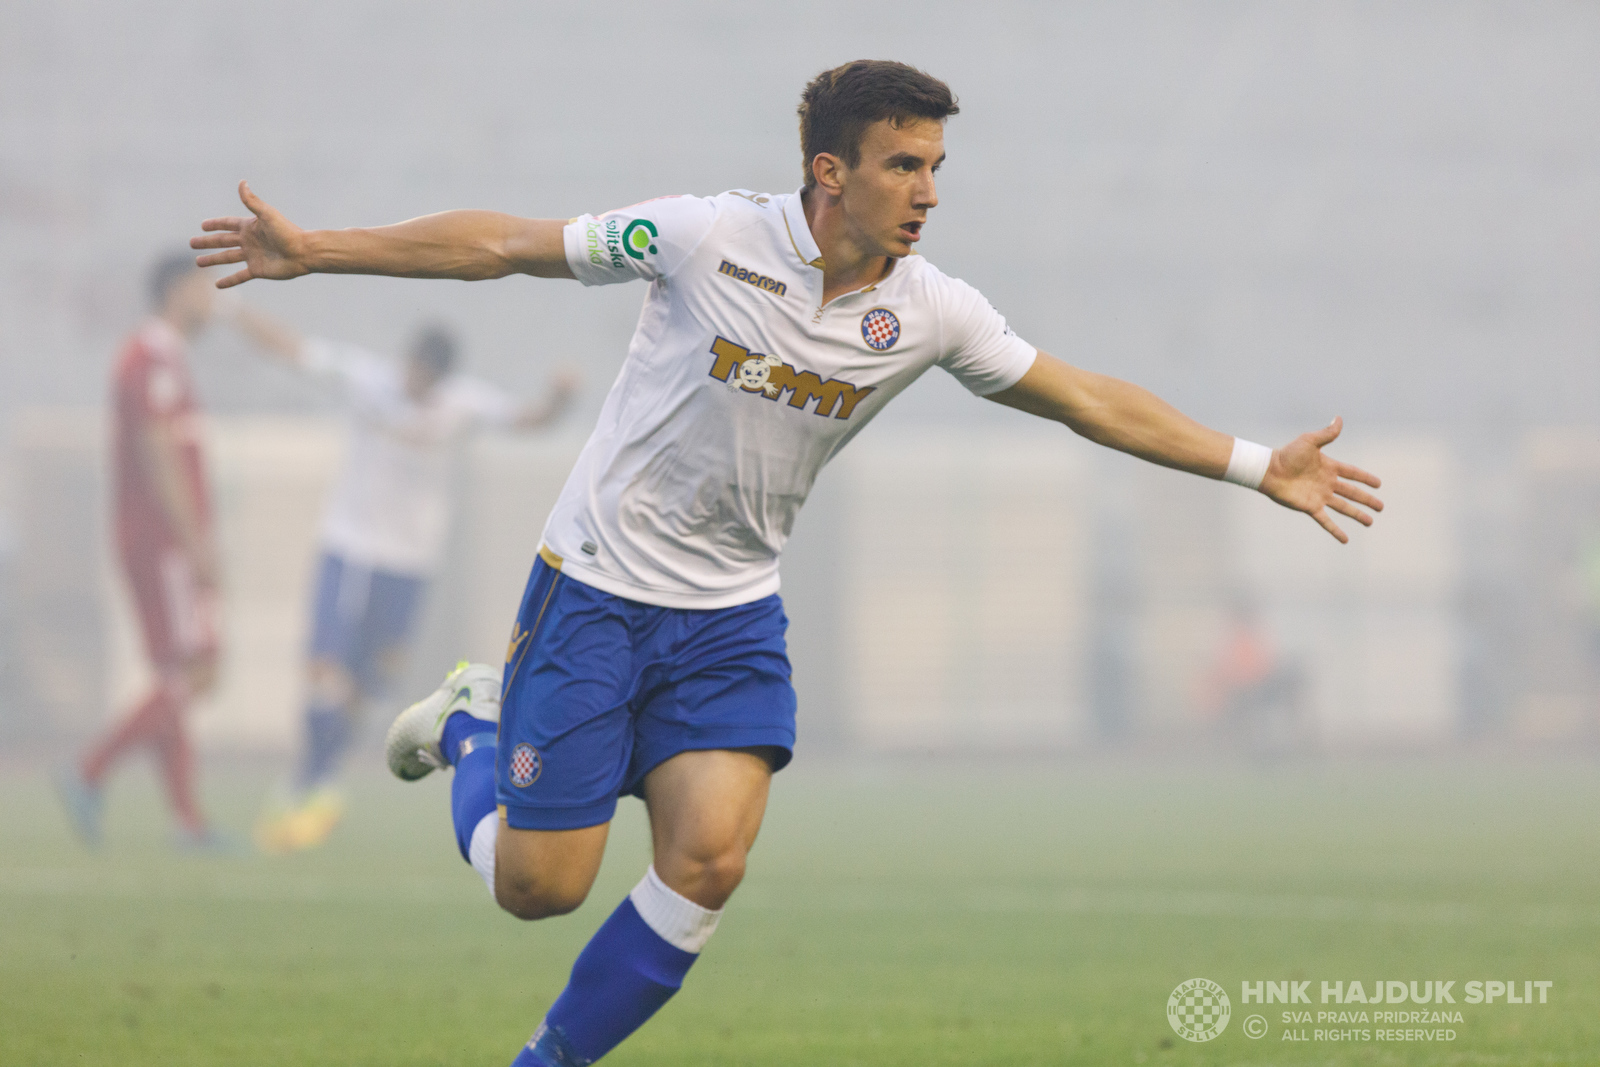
(607, 240)
(639, 238)
(771, 377)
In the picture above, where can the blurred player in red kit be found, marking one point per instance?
(167, 549)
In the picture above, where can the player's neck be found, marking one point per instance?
(847, 266)
(183, 325)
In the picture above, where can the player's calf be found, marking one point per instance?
(633, 965)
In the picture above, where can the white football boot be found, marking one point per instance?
(412, 745)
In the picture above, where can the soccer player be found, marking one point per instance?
(648, 657)
(1253, 692)
(382, 534)
(167, 549)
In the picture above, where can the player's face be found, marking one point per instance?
(888, 196)
(421, 377)
(190, 303)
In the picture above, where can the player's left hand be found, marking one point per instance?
(1301, 476)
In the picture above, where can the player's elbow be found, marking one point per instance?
(481, 264)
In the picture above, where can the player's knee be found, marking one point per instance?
(724, 873)
(390, 663)
(710, 879)
(330, 684)
(200, 675)
(530, 898)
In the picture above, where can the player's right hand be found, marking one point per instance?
(269, 245)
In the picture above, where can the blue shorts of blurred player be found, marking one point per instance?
(362, 621)
(361, 625)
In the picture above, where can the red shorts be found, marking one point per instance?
(178, 616)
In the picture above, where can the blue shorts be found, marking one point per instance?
(600, 689)
(362, 619)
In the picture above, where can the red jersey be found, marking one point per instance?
(152, 387)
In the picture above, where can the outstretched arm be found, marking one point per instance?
(542, 412)
(1123, 416)
(278, 338)
(469, 245)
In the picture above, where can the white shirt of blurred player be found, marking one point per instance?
(738, 386)
(390, 507)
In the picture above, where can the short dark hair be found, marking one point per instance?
(435, 349)
(839, 104)
(166, 274)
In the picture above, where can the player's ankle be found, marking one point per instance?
(463, 734)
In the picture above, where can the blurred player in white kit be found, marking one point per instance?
(383, 530)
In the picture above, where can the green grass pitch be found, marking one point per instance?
(938, 913)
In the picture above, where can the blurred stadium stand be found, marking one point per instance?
(1374, 623)
(960, 590)
(60, 492)
(1261, 212)
(1558, 643)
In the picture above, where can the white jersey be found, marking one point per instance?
(738, 386)
(390, 507)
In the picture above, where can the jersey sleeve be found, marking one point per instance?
(354, 368)
(484, 404)
(983, 353)
(647, 240)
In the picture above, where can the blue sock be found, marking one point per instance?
(457, 728)
(328, 731)
(472, 792)
(624, 974)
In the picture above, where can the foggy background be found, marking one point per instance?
(1267, 213)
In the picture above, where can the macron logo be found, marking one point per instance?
(750, 277)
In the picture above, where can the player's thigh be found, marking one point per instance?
(706, 808)
(338, 604)
(385, 631)
(329, 682)
(723, 693)
(546, 872)
(178, 618)
(566, 734)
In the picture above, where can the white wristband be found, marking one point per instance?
(1248, 464)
